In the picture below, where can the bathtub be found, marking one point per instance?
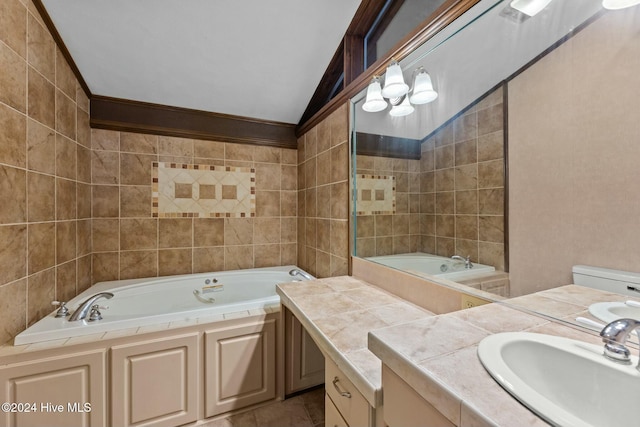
(433, 265)
(143, 302)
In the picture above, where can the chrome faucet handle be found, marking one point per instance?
(614, 336)
(95, 312)
(63, 311)
(467, 262)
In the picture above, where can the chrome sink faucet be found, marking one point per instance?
(614, 336)
(467, 260)
(82, 311)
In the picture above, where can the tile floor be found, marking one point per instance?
(304, 410)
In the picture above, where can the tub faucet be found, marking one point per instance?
(467, 260)
(298, 272)
(614, 336)
(82, 311)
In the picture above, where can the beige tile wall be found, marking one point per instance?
(323, 196)
(400, 232)
(128, 242)
(462, 185)
(45, 173)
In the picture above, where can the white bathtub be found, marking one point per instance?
(432, 265)
(142, 302)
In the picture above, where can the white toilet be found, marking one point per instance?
(618, 281)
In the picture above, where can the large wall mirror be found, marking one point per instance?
(527, 161)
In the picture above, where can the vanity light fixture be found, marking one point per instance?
(619, 4)
(397, 91)
(529, 7)
(394, 85)
(374, 102)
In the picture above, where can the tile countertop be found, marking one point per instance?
(338, 313)
(438, 356)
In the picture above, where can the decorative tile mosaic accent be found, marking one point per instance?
(206, 191)
(376, 195)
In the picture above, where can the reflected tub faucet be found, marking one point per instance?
(297, 272)
(467, 260)
(82, 311)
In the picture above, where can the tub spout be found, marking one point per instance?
(467, 260)
(82, 311)
(298, 272)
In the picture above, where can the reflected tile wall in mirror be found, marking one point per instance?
(451, 201)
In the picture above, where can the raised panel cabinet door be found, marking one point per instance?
(57, 391)
(240, 366)
(304, 360)
(155, 382)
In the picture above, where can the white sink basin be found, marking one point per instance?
(565, 382)
(610, 311)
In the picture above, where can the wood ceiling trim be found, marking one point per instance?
(443, 16)
(142, 117)
(63, 48)
(368, 144)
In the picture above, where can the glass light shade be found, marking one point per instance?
(423, 89)
(619, 4)
(374, 101)
(529, 7)
(394, 85)
(403, 109)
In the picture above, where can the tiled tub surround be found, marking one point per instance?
(129, 242)
(451, 201)
(45, 173)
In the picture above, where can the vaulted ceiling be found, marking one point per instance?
(249, 58)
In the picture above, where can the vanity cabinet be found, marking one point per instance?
(404, 407)
(240, 365)
(343, 396)
(55, 391)
(155, 382)
(304, 362)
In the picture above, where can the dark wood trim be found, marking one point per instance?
(353, 57)
(142, 117)
(443, 16)
(63, 48)
(342, 63)
(327, 83)
(368, 144)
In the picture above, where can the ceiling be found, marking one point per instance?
(249, 58)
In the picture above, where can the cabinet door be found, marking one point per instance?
(240, 366)
(155, 383)
(304, 361)
(59, 391)
(404, 407)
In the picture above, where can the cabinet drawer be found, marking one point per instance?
(332, 417)
(353, 407)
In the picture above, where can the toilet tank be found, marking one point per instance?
(617, 281)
